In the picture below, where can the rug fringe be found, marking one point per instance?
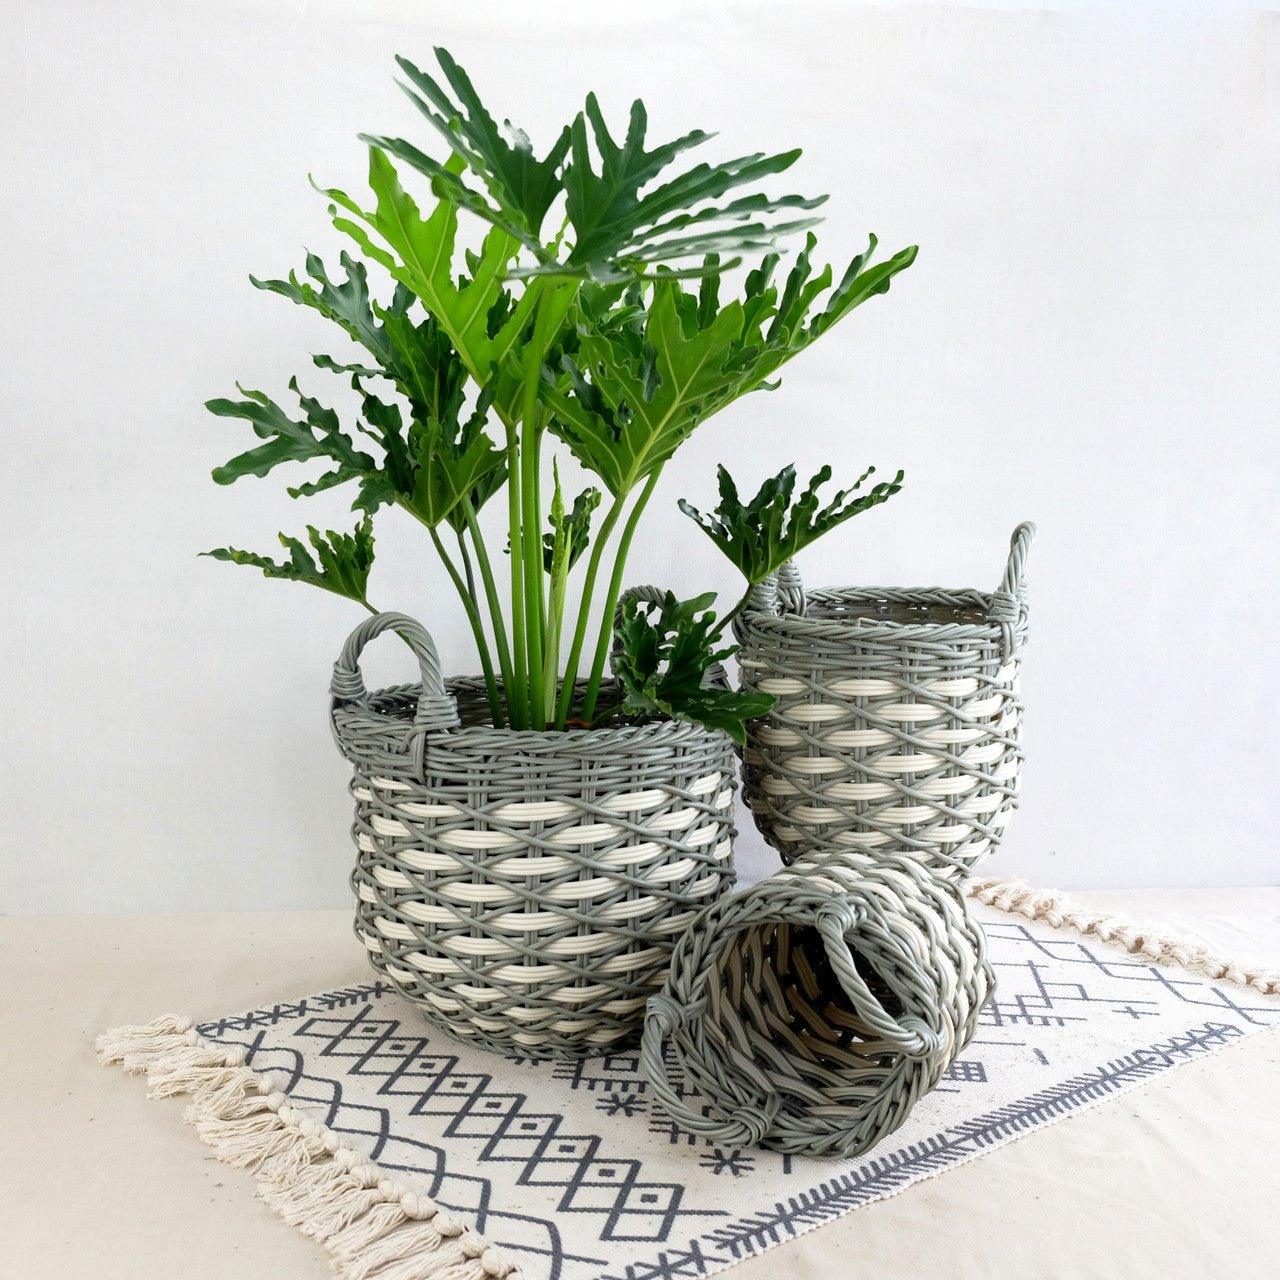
(1157, 943)
(373, 1227)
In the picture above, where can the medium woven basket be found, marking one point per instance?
(809, 1012)
(898, 717)
(524, 889)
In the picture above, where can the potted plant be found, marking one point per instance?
(531, 842)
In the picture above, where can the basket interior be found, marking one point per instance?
(835, 607)
(401, 701)
(775, 996)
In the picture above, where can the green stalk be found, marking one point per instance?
(733, 613)
(491, 596)
(531, 550)
(551, 308)
(612, 594)
(518, 693)
(466, 564)
(565, 702)
(559, 578)
(477, 630)
(555, 612)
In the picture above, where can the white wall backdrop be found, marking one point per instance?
(1088, 339)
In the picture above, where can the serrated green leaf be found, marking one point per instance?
(572, 529)
(345, 302)
(662, 660)
(318, 435)
(632, 398)
(420, 253)
(779, 325)
(523, 187)
(761, 535)
(622, 217)
(622, 222)
(451, 462)
(335, 562)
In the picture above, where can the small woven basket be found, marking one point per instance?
(812, 1010)
(524, 889)
(897, 721)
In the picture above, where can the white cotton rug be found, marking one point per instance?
(411, 1157)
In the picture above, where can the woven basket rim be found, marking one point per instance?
(805, 626)
(540, 741)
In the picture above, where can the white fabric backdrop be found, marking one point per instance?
(1087, 339)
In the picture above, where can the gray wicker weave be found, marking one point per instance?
(812, 1010)
(897, 721)
(525, 889)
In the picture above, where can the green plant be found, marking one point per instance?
(668, 666)
(590, 314)
(759, 536)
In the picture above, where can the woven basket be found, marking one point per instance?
(897, 721)
(812, 1010)
(524, 889)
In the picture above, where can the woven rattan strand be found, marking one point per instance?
(525, 889)
(812, 1010)
(898, 715)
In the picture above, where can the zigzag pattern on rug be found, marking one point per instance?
(371, 1225)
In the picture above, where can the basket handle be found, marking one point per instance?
(781, 592)
(662, 1017)
(715, 676)
(1009, 600)
(437, 709)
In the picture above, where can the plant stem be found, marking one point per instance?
(733, 613)
(531, 550)
(565, 702)
(555, 615)
(518, 693)
(466, 564)
(491, 597)
(477, 630)
(612, 594)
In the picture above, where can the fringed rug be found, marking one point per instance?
(410, 1157)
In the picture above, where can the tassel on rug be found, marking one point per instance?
(1153, 942)
(372, 1227)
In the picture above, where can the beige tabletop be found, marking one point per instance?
(1178, 1179)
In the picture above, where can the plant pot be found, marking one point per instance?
(898, 716)
(524, 889)
(813, 1009)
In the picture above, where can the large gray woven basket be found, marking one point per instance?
(809, 1012)
(897, 721)
(525, 889)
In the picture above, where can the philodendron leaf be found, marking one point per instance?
(318, 435)
(521, 186)
(624, 220)
(782, 319)
(419, 252)
(452, 461)
(570, 529)
(415, 355)
(622, 217)
(663, 659)
(759, 536)
(633, 396)
(638, 380)
(484, 488)
(340, 563)
(345, 302)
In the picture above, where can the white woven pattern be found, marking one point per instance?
(536, 925)
(897, 717)
(929, 763)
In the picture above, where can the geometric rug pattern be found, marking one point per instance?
(572, 1170)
